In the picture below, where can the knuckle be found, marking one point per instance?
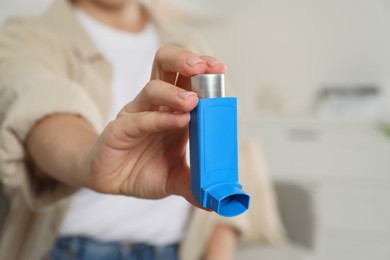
(113, 129)
(149, 91)
(137, 119)
(182, 54)
(206, 57)
(150, 86)
(160, 52)
(146, 90)
(139, 122)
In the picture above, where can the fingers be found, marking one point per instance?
(162, 96)
(135, 125)
(158, 94)
(170, 60)
(214, 66)
(179, 183)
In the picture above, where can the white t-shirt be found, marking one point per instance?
(114, 217)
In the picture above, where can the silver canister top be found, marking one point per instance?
(208, 85)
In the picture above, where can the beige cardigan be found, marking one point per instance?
(49, 65)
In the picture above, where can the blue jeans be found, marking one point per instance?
(81, 248)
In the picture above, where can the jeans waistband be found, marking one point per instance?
(83, 248)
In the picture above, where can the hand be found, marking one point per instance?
(142, 152)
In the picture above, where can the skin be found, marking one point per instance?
(142, 152)
(127, 15)
(222, 244)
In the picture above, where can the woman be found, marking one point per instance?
(63, 77)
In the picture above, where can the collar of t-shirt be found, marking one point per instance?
(130, 54)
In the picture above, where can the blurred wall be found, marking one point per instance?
(286, 49)
(292, 48)
(21, 7)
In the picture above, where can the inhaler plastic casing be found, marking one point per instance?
(214, 148)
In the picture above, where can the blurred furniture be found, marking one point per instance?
(346, 162)
(296, 204)
(4, 207)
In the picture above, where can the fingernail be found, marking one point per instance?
(213, 62)
(193, 60)
(185, 94)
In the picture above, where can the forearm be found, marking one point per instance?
(222, 244)
(59, 146)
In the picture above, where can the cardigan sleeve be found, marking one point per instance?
(33, 85)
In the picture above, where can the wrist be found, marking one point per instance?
(83, 166)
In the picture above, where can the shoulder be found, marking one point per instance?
(27, 42)
(25, 36)
(24, 28)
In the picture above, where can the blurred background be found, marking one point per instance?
(313, 82)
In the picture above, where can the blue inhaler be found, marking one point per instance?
(214, 148)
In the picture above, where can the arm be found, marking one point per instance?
(59, 145)
(222, 244)
(142, 152)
